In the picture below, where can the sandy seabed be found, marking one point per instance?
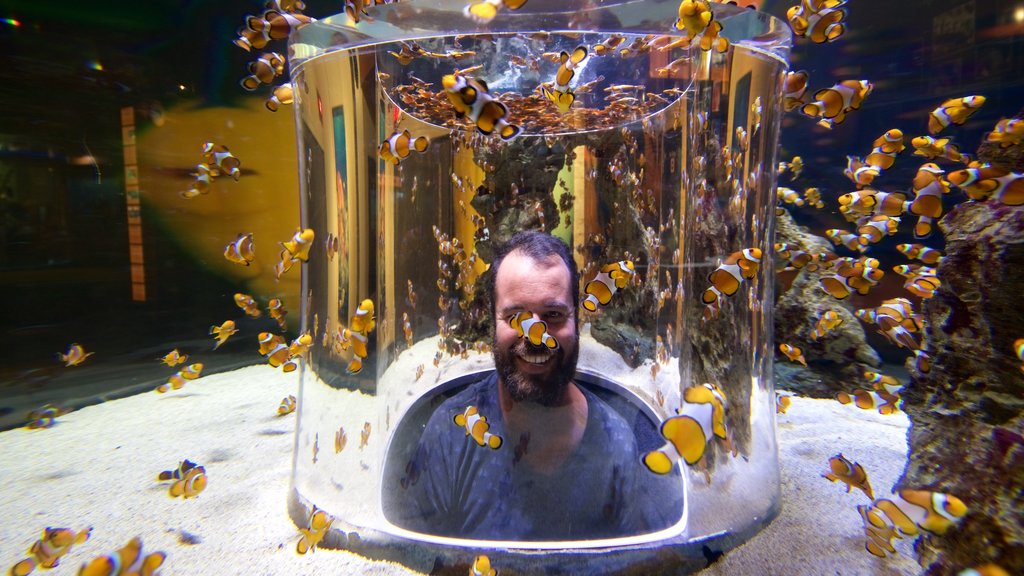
(97, 467)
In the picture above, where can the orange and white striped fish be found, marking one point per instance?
(533, 329)
(129, 560)
(884, 402)
(559, 91)
(477, 427)
(287, 405)
(850, 473)
(610, 279)
(241, 250)
(832, 105)
(319, 524)
(189, 479)
(48, 550)
(907, 513)
(700, 419)
(726, 279)
(223, 332)
(983, 182)
(472, 98)
(398, 146)
(178, 379)
(793, 353)
(484, 11)
(953, 111)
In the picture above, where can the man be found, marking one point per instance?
(566, 466)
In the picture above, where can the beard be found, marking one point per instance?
(544, 389)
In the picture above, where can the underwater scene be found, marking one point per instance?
(512, 287)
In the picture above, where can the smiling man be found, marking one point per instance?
(524, 452)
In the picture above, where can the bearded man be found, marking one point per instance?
(524, 452)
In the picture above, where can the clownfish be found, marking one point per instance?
(355, 9)
(984, 182)
(929, 188)
(319, 524)
(783, 400)
(223, 332)
(44, 417)
(896, 320)
(953, 111)
(277, 311)
(884, 402)
(813, 197)
(248, 305)
(287, 405)
(920, 252)
(129, 560)
(726, 279)
(221, 161)
(878, 529)
(340, 439)
(611, 278)
(201, 185)
(75, 355)
(701, 418)
(533, 329)
(793, 353)
(870, 201)
(47, 551)
(827, 322)
(364, 435)
(398, 146)
(1008, 132)
(883, 382)
(178, 379)
(840, 237)
(859, 172)
(694, 17)
(821, 21)
(241, 250)
(189, 479)
(269, 342)
(482, 567)
(878, 227)
(472, 98)
(358, 343)
(484, 11)
(283, 94)
(363, 321)
(911, 511)
(795, 89)
(298, 247)
(561, 93)
(932, 148)
(263, 71)
(923, 362)
(476, 426)
(833, 104)
(850, 473)
(270, 26)
(173, 358)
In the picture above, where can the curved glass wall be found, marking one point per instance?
(653, 160)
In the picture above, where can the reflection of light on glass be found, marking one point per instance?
(1018, 14)
(95, 65)
(181, 87)
(10, 21)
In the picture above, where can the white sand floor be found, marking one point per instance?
(97, 467)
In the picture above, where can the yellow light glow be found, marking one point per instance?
(1018, 14)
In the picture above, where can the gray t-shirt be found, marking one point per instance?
(455, 487)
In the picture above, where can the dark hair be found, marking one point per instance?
(538, 246)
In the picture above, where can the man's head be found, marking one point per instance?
(534, 272)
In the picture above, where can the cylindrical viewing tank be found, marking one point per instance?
(641, 151)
